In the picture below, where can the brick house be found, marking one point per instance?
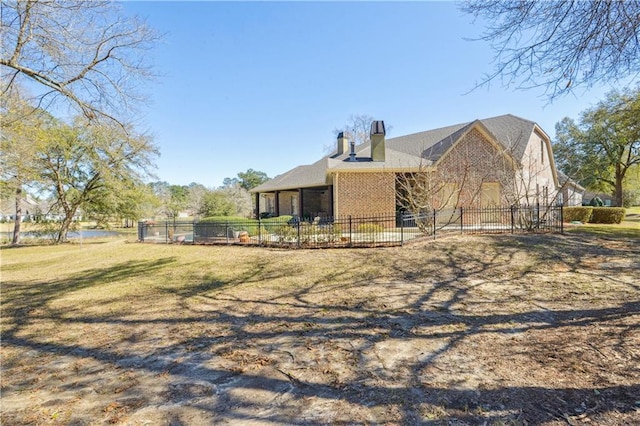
(502, 160)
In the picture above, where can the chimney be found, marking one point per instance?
(377, 140)
(343, 143)
(352, 152)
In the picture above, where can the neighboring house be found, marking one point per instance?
(503, 160)
(607, 199)
(571, 192)
(28, 205)
(32, 210)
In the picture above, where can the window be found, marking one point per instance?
(541, 151)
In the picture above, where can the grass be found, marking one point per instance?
(458, 330)
(628, 228)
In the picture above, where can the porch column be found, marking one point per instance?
(257, 205)
(330, 212)
(277, 203)
(300, 202)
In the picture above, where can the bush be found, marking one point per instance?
(272, 224)
(631, 197)
(286, 233)
(223, 219)
(370, 228)
(235, 223)
(596, 202)
(232, 223)
(577, 213)
(607, 215)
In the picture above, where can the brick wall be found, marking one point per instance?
(365, 194)
(473, 161)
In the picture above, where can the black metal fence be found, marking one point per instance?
(352, 231)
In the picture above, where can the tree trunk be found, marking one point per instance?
(620, 172)
(64, 228)
(18, 218)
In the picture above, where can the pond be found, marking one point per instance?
(85, 233)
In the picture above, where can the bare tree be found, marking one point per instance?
(560, 45)
(440, 189)
(358, 127)
(85, 53)
(480, 173)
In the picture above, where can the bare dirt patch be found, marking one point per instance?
(464, 330)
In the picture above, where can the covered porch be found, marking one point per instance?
(300, 202)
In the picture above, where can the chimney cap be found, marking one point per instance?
(342, 135)
(377, 128)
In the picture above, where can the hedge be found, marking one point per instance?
(236, 223)
(588, 214)
(224, 219)
(607, 215)
(577, 214)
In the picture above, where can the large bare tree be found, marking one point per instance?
(87, 54)
(560, 45)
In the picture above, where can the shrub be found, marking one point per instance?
(232, 223)
(370, 228)
(286, 233)
(577, 213)
(272, 224)
(631, 197)
(223, 219)
(235, 223)
(596, 202)
(607, 215)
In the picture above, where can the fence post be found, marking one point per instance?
(166, 232)
(562, 218)
(434, 223)
(512, 218)
(401, 228)
(350, 233)
(298, 228)
(259, 231)
(461, 221)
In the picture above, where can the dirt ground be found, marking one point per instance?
(501, 330)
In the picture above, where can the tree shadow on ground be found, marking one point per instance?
(278, 360)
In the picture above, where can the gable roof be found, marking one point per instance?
(565, 180)
(410, 151)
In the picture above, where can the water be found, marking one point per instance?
(84, 234)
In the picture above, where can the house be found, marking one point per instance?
(588, 196)
(502, 160)
(571, 192)
(28, 205)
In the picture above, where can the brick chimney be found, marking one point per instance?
(343, 143)
(377, 140)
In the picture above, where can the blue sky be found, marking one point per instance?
(263, 85)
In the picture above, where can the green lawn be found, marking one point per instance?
(628, 228)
